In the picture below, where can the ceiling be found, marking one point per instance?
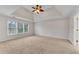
(63, 10)
(8, 9)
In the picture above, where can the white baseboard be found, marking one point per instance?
(52, 37)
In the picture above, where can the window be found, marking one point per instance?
(11, 27)
(25, 27)
(17, 27)
(20, 27)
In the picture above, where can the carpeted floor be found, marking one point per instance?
(37, 45)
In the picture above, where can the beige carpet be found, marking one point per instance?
(37, 45)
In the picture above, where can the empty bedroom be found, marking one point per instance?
(39, 29)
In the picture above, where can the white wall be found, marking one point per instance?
(53, 28)
(3, 29)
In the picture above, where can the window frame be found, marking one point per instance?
(17, 28)
(16, 32)
(27, 27)
(9, 27)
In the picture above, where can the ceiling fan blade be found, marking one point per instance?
(33, 7)
(33, 11)
(41, 10)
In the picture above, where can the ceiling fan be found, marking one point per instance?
(37, 9)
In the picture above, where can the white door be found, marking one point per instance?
(76, 31)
